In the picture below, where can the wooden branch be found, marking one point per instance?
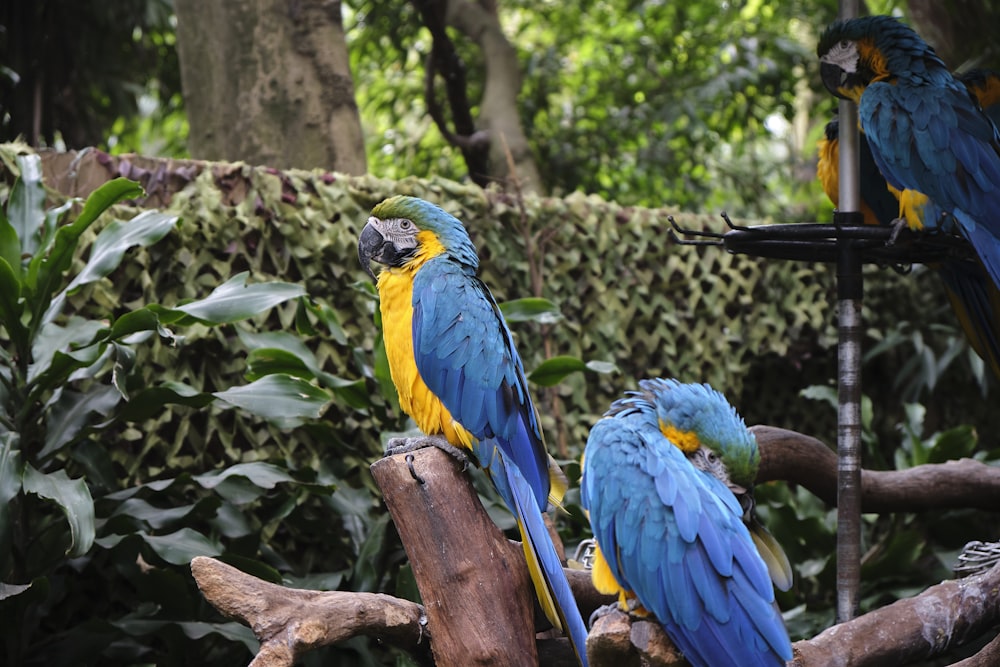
(288, 621)
(794, 457)
(939, 619)
(931, 624)
(619, 639)
(474, 583)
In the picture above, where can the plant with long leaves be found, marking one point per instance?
(69, 382)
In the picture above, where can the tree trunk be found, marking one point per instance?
(510, 154)
(268, 82)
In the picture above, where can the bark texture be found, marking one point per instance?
(794, 457)
(510, 155)
(473, 581)
(268, 82)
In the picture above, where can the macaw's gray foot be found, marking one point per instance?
(897, 225)
(406, 445)
(603, 611)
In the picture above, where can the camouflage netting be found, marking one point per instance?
(759, 330)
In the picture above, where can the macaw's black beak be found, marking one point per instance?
(834, 78)
(370, 246)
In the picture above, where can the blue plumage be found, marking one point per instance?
(673, 534)
(449, 347)
(925, 130)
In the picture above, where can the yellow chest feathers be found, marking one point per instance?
(395, 288)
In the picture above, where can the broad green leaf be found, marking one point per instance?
(10, 245)
(552, 371)
(602, 367)
(110, 245)
(73, 412)
(10, 487)
(26, 209)
(124, 357)
(955, 443)
(531, 309)
(269, 361)
(137, 321)
(281, 398)
(10, 590)
(264, 475)
(161, 517)
(70, 341)
(73, 497)
(45, 272)
(147, 403)
(182, 546)
(10, 306)
(234, 300)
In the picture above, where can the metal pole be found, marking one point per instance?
(849, 295)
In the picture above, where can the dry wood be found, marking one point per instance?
(941, 618)
(288, 622)
(801, 459)
(473, 582)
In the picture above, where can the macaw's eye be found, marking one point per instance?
(405, 224)
(844, 43)
(712, 458)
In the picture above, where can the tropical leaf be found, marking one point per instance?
(553, 370)
(26, 208)
(234, 300)
(118, 236)
(73, 497)
(281, 398)
(530, 309)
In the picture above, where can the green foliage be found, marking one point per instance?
(93, 561)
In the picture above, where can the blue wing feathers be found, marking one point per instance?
(535, 533)
(674, 536)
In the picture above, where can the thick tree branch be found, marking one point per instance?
(794, 457)
(939, 619)
(288, 621)
(498, 110)
(444, 60)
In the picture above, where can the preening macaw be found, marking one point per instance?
(453, 361)
(670, 532)
(929, 138)
(974, 297)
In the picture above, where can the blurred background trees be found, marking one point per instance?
(704, 105)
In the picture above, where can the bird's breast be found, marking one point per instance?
(395, 289)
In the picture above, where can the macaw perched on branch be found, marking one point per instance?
(929, 138)
(659, 475)
(453, 361)
(974, 297)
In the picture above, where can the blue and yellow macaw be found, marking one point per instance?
(659, 475)
(974, 297)
(453, 361)
(928, 136)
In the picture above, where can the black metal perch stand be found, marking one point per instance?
(849, 245)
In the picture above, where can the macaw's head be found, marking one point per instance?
(700, 422)
(855, 52)
(405, 232)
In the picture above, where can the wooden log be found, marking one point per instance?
(289, 622)
(794, 457)
(941, 618)
(474, 583)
